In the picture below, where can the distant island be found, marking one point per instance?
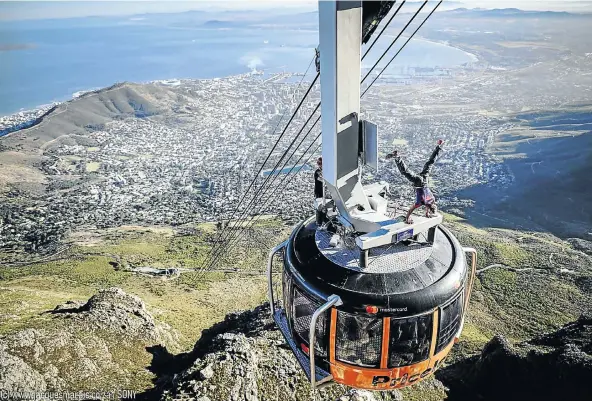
(220, 24)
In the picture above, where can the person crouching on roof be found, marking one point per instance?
(423, 195)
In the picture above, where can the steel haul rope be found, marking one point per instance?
(234, 239)
(225, 235)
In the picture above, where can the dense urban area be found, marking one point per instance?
(195, 163)
(184, 151)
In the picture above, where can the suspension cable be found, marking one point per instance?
(266, 203)
(224, 235)
(383, 29)
(402, 47)
(272, 149)
(233, 240)
(261, 188)
(392, 44)
(250, 223)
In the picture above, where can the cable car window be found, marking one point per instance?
(303, 309)
(410, 340)
(450, 318)
(358, 339)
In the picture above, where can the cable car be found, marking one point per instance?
(367, 301)
(380, 327)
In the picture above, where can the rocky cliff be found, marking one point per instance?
(84, 346)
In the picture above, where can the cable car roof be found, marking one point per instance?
(409, 280)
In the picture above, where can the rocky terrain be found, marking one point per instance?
(71, 323)
(515, 372)
(529, 317)
(86, 346)
(245, 358)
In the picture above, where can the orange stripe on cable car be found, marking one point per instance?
(386, 329)
(332, 333)
(435, 326)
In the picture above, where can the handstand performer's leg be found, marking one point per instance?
(414, 178)
(408, 218)
(428, 166)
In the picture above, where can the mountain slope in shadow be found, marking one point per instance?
(552, 189)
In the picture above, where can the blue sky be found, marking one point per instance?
(24, 9)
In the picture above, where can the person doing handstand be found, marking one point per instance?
(423, 195)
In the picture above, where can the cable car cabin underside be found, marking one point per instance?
(379, 327)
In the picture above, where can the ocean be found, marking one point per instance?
(42, 61)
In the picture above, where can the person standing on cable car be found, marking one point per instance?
(318, 190)
(423, 195)
(318, 183)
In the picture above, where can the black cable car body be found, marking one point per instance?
(363, 340)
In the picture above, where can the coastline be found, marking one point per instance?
(34, 113)
(473, 56)
(34, 116)
(67, 95)
(81, 93)
(39, 113)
